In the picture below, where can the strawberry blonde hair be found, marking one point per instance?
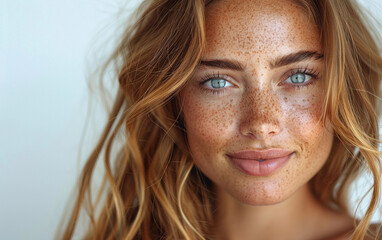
(151, 188)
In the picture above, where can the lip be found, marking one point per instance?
(260, 162)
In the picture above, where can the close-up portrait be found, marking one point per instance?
(221, 120)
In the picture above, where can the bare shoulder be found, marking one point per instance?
(375, 233)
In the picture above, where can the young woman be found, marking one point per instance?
(243, 119)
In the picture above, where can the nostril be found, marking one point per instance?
(261, 131)
(259, 123)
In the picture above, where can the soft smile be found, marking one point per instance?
(260, 162)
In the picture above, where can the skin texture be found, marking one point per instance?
(257, 109)
(260, 108)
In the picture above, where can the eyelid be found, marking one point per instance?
(305, 70)
(211, 79)
(211, 90)
(211, 76)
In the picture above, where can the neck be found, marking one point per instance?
(298, 217)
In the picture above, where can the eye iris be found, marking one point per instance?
(298, 78)
(218, 83)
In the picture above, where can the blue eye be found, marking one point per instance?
(215, 83)
(298, 78)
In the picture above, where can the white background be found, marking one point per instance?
(45, 50)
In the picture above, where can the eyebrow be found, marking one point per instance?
(279, 62)
(223, 64)
(296, 57)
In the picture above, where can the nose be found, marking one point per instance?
(260, 115)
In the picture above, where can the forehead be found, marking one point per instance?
(255, 26)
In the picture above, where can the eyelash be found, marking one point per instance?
(210, 77)
(307, 71)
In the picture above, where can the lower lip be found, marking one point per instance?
(256, 168)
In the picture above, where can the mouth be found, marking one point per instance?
(260, 162)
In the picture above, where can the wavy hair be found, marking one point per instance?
(151, 188)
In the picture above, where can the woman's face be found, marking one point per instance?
(252, 110)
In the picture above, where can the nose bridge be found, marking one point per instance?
(261, 113)
(261, 103)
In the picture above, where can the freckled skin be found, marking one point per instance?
(257, 111)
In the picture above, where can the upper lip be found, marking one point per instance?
(261, 154)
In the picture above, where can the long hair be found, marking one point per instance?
(353, 76)
(151, 188)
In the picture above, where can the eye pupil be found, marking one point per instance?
(218, 83)
(298, 78)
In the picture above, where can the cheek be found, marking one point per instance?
(303, 117)
(314, 138)
(208, 124)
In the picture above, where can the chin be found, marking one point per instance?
(261, 194)
(263, 200)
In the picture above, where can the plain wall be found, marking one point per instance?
(44, 51)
